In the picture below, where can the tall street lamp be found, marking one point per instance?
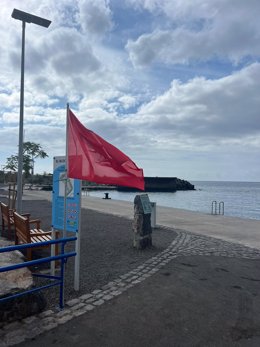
(29, 18)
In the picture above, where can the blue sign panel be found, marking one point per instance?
(73, 198)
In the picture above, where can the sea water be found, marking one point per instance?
(241, 199)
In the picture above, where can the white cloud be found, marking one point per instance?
(216, 110)
(174, 116)
(95, 16)
(223, 29)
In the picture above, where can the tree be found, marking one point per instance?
(31, 151)
(34, 150)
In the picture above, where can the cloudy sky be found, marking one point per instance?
(175, 84)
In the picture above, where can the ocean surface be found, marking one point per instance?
(241, 199)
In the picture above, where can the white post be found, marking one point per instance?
(53, 237)
(77, 248)
(66, 177)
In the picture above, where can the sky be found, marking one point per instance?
(174, 84)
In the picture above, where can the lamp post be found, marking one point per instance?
(25, 18)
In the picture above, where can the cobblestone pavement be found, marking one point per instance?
(185, 244)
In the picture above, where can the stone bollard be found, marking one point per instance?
(142, 222)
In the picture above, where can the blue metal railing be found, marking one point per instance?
(56, 280)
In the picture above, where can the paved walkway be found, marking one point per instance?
(163, 302)
(200, 291)
(243, 231)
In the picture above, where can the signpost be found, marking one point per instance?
(145, 201)
(73, 193)
(66, 207)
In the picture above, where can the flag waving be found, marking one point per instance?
(93, 159)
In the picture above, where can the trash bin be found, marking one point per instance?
(153, 215)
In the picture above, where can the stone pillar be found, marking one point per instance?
(142, 222)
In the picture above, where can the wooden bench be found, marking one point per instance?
(8, 218)
(25, 233)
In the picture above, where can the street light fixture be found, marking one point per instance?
(29, 18)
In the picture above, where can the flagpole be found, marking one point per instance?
(66, 176)
(77, 247)
(77, 244)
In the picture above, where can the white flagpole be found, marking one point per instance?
(65, 191)
(66, 176)
(77, 248)
(77, 244)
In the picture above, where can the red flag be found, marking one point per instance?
(93, 159)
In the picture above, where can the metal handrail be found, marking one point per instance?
(220, 209)
(214, 206)
(57, 280)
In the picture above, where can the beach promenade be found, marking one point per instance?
(238, 230)
(200, 287)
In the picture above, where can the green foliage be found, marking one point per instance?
(31, 151)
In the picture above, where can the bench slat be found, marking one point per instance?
(24, 234)
(36, 239)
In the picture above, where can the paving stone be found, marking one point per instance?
(98, 302)
(77, 307)
(14, 340)
(50, 326)
(79, 312)
(12, 326)
(116, 293)
(17, 332)
(47, 320)
(62, 313)
(90, 300)
(64, 319)
(45, 314)
(136, 282)
(122, 284)
(73, 302)
(34, 332)
(124, 276)
(108, 297)
(29, 320)
(86, 296)
(89, 307)
(100, 295)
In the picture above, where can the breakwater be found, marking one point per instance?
(162, 184)
(152, 184)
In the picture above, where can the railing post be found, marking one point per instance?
(221, 208)
(62, 277)
(214, 207)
